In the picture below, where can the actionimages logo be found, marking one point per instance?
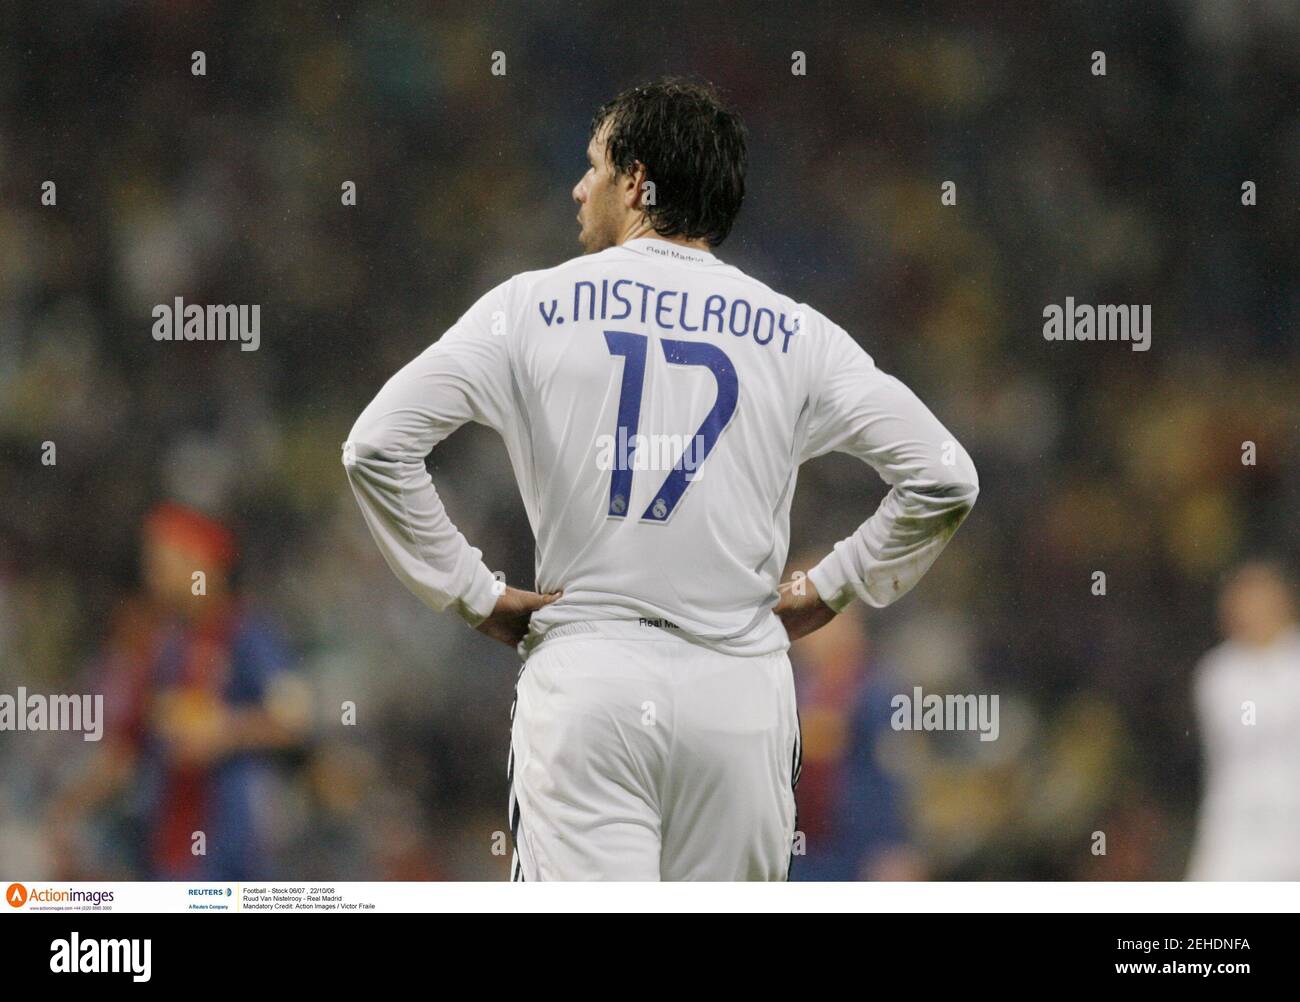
(18, 895)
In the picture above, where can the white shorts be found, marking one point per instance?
(642, 756)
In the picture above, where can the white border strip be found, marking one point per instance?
(371, 898)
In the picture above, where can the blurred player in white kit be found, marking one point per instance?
(656, 404)
(1247, 693)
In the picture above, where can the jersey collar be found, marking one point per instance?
(669, 251)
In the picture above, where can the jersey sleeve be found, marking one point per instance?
(857, 409)
(464, 376)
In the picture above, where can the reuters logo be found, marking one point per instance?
(16, 895)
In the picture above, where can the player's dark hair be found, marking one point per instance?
(693, 149)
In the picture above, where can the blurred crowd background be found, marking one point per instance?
(226, 188)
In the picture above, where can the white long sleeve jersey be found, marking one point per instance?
(656, 404)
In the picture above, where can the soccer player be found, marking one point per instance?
(1247, 692)
(656, 404)
(202, 697)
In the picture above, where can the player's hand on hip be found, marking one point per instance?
(801, 609)
(509, 619)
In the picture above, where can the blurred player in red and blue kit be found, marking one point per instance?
(853, 808)
(199, 698)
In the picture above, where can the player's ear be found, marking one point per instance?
(632, 185)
